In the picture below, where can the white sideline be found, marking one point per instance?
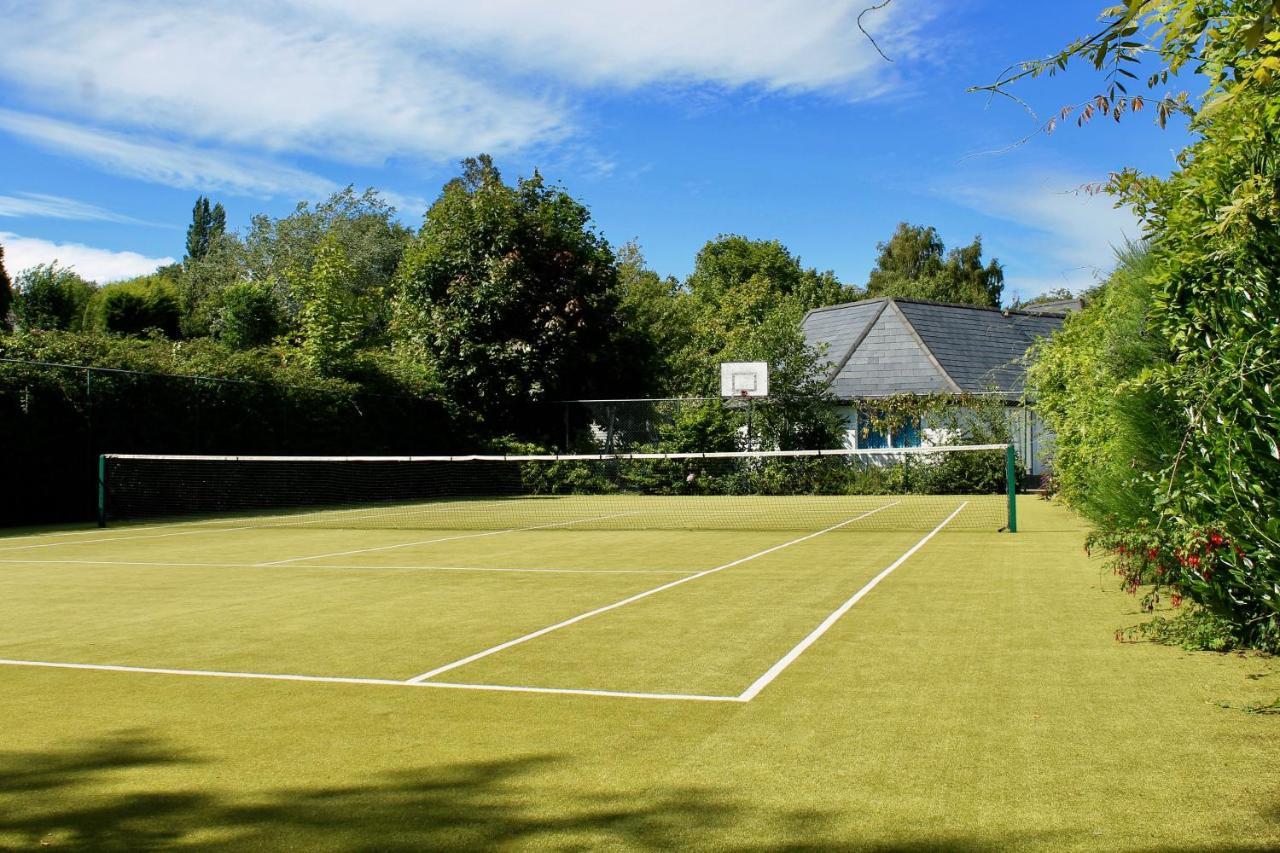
(113, 539)
(516, 569)
(790, 657)
(629, 600)
(388, 682)
(443, 539)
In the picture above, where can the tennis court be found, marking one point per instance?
(561, 605)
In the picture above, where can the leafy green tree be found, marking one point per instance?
(328, 316)
(513, 296)
(913, 263)
(371, 239)
(50, 297)
(135, 307)
(657, 319)
(745, 300)
(1113, 432)
(207, 224)
(6, 295)
(201, 283)
(249, 315)
(1213, 524)
(730, 261)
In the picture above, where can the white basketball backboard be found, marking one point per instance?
(744, 379)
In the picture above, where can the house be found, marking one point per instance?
(878, 348)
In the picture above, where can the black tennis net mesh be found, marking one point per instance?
(908, 489)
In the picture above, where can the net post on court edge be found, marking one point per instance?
(102, 490)
(1011, 484)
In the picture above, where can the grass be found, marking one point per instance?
(974, 700)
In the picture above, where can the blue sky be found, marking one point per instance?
(673, 121)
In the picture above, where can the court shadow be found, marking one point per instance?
(98, 796)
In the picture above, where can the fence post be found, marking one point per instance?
(102, 490)
(1011, 478)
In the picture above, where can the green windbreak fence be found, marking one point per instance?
(55, 420)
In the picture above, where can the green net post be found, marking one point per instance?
(1011, 484)
(102, 491)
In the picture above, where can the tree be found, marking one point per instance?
(328, 316)
(912, 264)
(514, 297)
(730, 260)
(657, 326)
(746, 299)
(207, 224)
(201, 283)
(50, 297)
(249, 315)
(135, 307)
(6, 295)
(1212, 516)
(372, 242)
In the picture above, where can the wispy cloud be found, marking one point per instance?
(267, 76)
(100, 265)
(44, 206)
(1070, 235)
(382, 79)
(785, 45)
(169, 163)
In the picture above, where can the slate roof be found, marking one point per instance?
(887, 346)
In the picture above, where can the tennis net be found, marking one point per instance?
(909, 489)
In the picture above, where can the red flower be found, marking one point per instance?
(1193, 561)
(1175, 600)
(1153, 553)
(1216, 540)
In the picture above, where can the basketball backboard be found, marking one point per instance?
(744, 379)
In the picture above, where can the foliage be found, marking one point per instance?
(512, 295)
(1113, 429)
(744, 301)
(1214, 231)
(1055, 294)
(6, 294)
(248, 316)
(207, 224)
(203, 281)
(912, 264)
(138, 306)
(657, 327)
(50, 297)
(372, 241)
(328, 315)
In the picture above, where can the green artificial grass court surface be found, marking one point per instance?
(975, 699)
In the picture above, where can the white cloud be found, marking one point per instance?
(808, 45)
(100, 265)
(365, 82)
(267, 76)
(171, 164)
(44, 206)
(1073, 233)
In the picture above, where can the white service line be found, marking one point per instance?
(388, 682)
(444, 539)
(116, 539)
(631, 599)
(790, 657)
(515, 569)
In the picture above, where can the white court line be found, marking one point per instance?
(581, 616)
(790, 657)
(389, 682)
(114, 539)
(548, 570)
(444, 539)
